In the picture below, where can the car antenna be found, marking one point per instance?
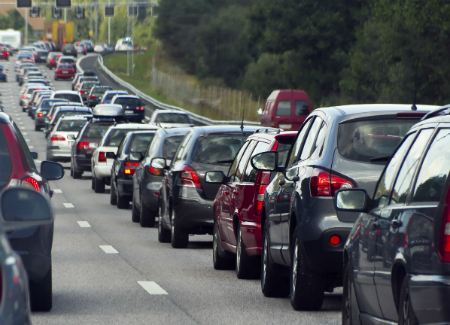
(413, 106)
(242, 123)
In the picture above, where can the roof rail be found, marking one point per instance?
(436, 112)
(269, 130)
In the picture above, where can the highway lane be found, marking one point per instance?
(91, 286)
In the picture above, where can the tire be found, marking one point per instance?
(36, 128)
(273, 283)
(99, 185)
(112, 195)
(180, 237)
(219, 261)
(406, 315)
(350, 310)
(123, 202)
(164, 235)
(135, 214)
(247, 267)
(41, 293)
(148, 216)
(307, 287)
(76, 174)
(93, 182)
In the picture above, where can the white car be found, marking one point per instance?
(99, 47)
(103, 157)
(124, 44)
(26, 96)
(71, 96)
(170, 119)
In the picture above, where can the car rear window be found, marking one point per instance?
(96, 130)
(5, 160)
(110, 96)
(70, 97)
(218, 148)
(99, 91)
(65, 66)
(366, 140)
(42, 54)
(140, 142)
(172, 118)
(66, 61)
(115, 137)
(128, 101)
(71, 126)
(284, 108)
(59, 114)
(170, 145)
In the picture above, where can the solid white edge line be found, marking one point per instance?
(108, 249)
(84, 224)
(68, 205)
(152, 288)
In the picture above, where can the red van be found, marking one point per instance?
(286, 109)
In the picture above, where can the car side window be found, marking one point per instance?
(235, 163)
(180, 150)
(243, 162)
(434, 170)
(293, 155)
(384, 185)
(250, 173)
(308, 147)
(402, 184)
(317, 148)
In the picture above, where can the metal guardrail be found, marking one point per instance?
(158, 104)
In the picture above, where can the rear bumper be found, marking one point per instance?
(102, 170)
(82, 163)
(125, 187)
(59, 153)
(63, 76)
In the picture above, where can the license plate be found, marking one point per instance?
(65, 72)
(285, 126)
(129, 112)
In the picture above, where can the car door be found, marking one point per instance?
(363, 258)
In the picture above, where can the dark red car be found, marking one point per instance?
(4, 54)
(238, 204)
(64, 71)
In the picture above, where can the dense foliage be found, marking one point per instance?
(14, 20)
(339, 51)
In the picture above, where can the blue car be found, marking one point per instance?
(106, 99)
(132, 105)
(3, 76)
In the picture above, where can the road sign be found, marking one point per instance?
(23, 4)
(79, 12)
(56, 12)
(132, 11)
(63, 3)
(109, 11)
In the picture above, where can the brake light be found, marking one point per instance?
(52, 61)
(102, 157)
(130, 168)
(189, 177)
(57, 137)
(24, 97)
(72, 71)
(83, 145)
(84, 49)
(264, 180)
(155, 171)
(57, 70)
(444, 241)
(92, 97)
(131, 164)
(34, 183)
(324, 183)
(40, 114)
(140, 108)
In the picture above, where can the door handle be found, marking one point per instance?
(396, 223)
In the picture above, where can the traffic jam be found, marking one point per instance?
(350, 199)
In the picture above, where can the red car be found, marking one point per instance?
(64, 71)
(4, 54)
(238, 204)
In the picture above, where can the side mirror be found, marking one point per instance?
(23, 208)
(136, 156)
(52, 171)
(214, 177)
(111, 155)
(159, 163)
(34, 155)
(352, 200)
(265, 161)
(71, 137)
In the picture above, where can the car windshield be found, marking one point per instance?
(172, 118)
(170, 145)
(71, 125)
(140, 142)
(218, 148)
(70, 97)
(366, 140)
(97, 130)
(115, 137)
(128, 101)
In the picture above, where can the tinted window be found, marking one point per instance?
(96, 130)
(364, 140)
(180, 151)
(317, 148)
(59, 114)
(309, 145)
(172, 118)
(115, 137)
(250, 172)
(284, 108)
(384, 185)
(65, 66)
(89, 85)
(434, 170)
(170, 145)
(283, 147)
(234, 165)
(66, 61)
(128, 101)
(5, 160)
(405, 175)
(71, 126)
(99, 91)
(243, 162)
(218, 148)
(140, 142)
(110, 96)
(301, 108)
(298, 143)
(70, 97)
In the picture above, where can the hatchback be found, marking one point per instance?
(303, 234)
(171, 119)
(96, 94)
(106, 99)
(86, 87)
(61, 111)
(134, 108)
(67, 61)
(42, 110)
(64, 71)
(41, 56)
(396, 259)
(69, 49)
(80, 47)
(4, 54)
(72, 96)
(187, 199)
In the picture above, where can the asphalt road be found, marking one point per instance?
(94, 283)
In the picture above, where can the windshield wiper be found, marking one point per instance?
(382, 158)
(225, 161)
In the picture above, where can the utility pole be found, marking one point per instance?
(65, 15)
(90, 22)
(132, 42)
(109, 27)
(26, 26)
(96, 23)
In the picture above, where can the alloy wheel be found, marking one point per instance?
(264, 259)
(238, 250)
(406, 308)
(294, 266)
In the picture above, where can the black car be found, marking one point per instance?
(130, 152)
(134, 108)
(303, 234)
(69, 49)
(401, 273)
(96, 94)
(186, 198)
(147, 180)
(41, 56)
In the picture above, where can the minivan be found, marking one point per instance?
(286, 109)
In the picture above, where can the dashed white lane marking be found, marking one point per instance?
(21, 123)
(68, 205)
(30, 147)
(27, 140)
(22, 127)
(57, 191)
(152, 288)
(108, 249)
(37, 161)
(24, 133)
(19, 118)
(84, 224)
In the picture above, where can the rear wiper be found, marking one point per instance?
(382, 158)
(225, 161)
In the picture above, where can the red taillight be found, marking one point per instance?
(82, 91)
(57, 70)
(50, 117)
(155, 171)
(84, 49)
(189, 177)
(40, 114)
(57, 137)
(130, 168)
(24, 97)
(33, 183)
(335, 240)
(102, 157)
(72, 71)
(83, 145)
(140, 108)
(6, 53)
(52, 61)
(131, 164)
(444, 242)
(324, 183)
(103, 102)
(264, 180)
(92, 97)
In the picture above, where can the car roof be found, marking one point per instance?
(126, 96)
(160, 111)
(135, 125)
(74, 108)
(379, 108)
(75, 117)
(224, 128)
(66, 92)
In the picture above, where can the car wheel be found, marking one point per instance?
(41, 293)
(247, 267)
(112, 195)
(273, 283)
(220, 262)
(307, 287)
(406, 315)
(147, 218)
(93, 182)
(180, 237)
(76, 174)
(164, 235)
(99, 185)
(122, 201)
(135, 214)
(350, 310)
